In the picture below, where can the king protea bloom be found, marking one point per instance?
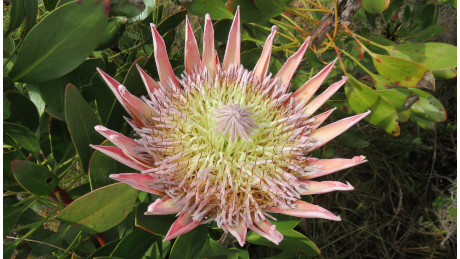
(226, 144)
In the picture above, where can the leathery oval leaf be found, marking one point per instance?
(53, 91)
(23, 111)
(101, 166)
(213, 249)
(403, 72)
(24, 137)
(363, 98)
(34, 178)
(293, 241)
(375, 6)
(61, 142)
(433, 55)
(61, 41)
(135, 244)
(428, 107)
(81, 121)
(284, 221)
(101, 209)
(10, 217)
(190, 245)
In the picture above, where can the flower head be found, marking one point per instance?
(226, 144)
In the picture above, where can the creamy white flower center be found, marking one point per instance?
(235, 119)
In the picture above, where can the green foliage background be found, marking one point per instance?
(59, 202)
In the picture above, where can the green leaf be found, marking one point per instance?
(17, 15)
(215, 8)
(126, 8)
(285, 255)
(370, 17)
(8, 157)
(8, 84)
(23, 111)
(60, 42)
(87, 69)
(433, 55)
(249, 11)
(171, 21)
(81, 121)
(222, 29)
(392, 9)
(31, 11)
(353, 138)
(101, 166)
(53, 92)
(403, 72)
(272, 7)
(375, 6)
(422, 123)
(133, 80)
(428, 107)
(430, 32)
(101, 209)
(24, 137)
(6, 107)
(135, 244)
(10, 217)
(115, 28)
(43, 249)
(79, 191)
(402, 99)
(61, 142)
(406, 14)
(9, 248)
(35, 97)
(427, 16)
(214, 250)
(50, 5)
(149, 7)
(284, 222)
(105, 250)
(189, 245)
(362, 98)
(445, 73)
(109, 109)
(293, 242)
(156, 224)
(35, 179)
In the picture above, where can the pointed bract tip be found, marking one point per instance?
(100, 128)
(114, 176)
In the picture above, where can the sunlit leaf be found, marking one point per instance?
(61, 41)
(375, 6)
(101, 209)
(363, 98)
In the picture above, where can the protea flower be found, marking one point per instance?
(226, 144)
